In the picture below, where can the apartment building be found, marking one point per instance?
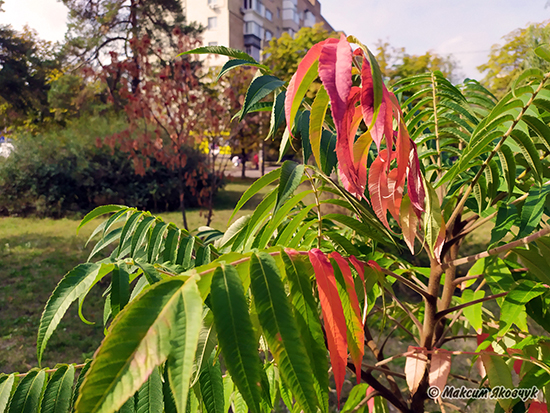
(249, 25)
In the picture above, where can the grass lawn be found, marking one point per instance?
(34, 256)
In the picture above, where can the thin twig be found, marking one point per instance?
(406, 282)
(498, 250)
(439, 315)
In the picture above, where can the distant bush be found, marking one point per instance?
(64, 171)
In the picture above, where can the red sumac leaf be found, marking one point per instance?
(537, 407)
(378, 182)
(296, 91)
(415, 186)
(415, 367)
(356, 331)
(333, 316)
(409, 222)
(440, 367)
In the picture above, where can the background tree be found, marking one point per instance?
(397, 64)
(507, 61)
(27, 65)
(284, 53)
(164, 112)
(97, 27)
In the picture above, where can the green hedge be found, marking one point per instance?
(64, 171)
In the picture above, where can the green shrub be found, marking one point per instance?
(64, 171)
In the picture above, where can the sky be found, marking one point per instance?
(464, 28)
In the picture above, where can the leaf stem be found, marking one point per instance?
(318, 203)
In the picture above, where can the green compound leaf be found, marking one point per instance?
(235, 334)
(280, 329)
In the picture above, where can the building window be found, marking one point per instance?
(268, 35)
(253, 51)
(212, 23)
(278, 13)
(296, 17)
(259, 7)
(212, 3)
(268, 15)
(212, 43)
(247, 4)
(253, 28)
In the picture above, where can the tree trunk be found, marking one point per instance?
(134, 23)
(182, 197)
(243, 163)
(262, 158)
(213, 188)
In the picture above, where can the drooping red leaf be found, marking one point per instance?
(374, 119)
(440, 367)
(415, 186)
(537, 407)
(296, 89)
(409, 222)
(395, 192)
(356, 331)
(333, 316)
(415, 367)
(378, 184)
(440, 241)
(403, 149)
(370, 403)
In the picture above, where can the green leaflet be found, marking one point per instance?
(102, 210)
(128, 229)
(258, 217)
(259, 89)
(513, 308)
(293, 225)
(234, 63)
(280, 216)
(356, 225)
(317, 118)
(499, 374)
(171, 245)
(432, 217)
(78, 384)
(535, 262)
(221, 50)
(285, 144)
(235, 334)
(211, 385)
(254, 188)
(107, 240)
(6, 385)
(529, 151)
(328, 159)
(301, 91)
(531, 213)
(473, 312)
(129, 406)
(164, 321)
(207, 344)
(149, 398)
(57, 396)
(277, 113)
(185, 252)
(508, 164)
(74, 284)
(507, 216)
(228, 388)
(157, 236)
(26, 398)
(120, 289)
(356, 396)
(298, 271)
(280, 329)
(140, 234)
